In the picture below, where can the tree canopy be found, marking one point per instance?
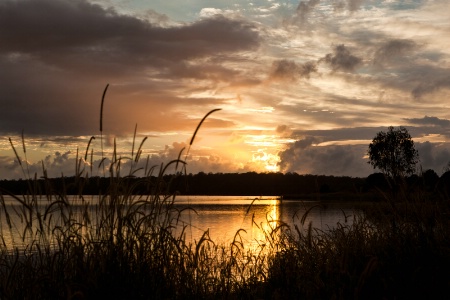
(393, 152)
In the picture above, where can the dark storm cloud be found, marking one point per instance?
(40, 99)
(56, 56)
(290, 70)
(35, 26)
(435, 156)
(341, 59)
(429, 121)
(340, 134)
(305, 158)
(418, 128)
(56, 30)
(429, 126)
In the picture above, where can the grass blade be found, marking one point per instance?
(200, 124)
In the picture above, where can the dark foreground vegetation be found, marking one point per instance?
(125, 247)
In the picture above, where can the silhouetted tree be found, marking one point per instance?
(444, 185)
(430, 179)
(377, 181)
(393, 152)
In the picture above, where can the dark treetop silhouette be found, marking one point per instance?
(393, 152)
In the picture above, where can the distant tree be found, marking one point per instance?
(444, 185)
(430, 179)
(393, 152)
(376, 180)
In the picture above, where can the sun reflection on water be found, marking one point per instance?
(264, 226)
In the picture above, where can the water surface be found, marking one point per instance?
(222, 216)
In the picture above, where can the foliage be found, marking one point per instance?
(393, 152)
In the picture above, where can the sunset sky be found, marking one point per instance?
(303, 86)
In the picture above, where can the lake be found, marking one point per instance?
(223, 216)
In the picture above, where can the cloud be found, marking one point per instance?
(208, 12)
(433, 156)
(55, 31)
(354, 5)
(291, 70)
(340, 134)
(351, 5)
(341, 59)
(417, 77)
(432, 83)
(283, 131)
(304, 8)
(304, 157)
(421, 129)
(429, 121)
(156, 18)
(58, 159)
(8, 164)
(401, 67)
(392, 50)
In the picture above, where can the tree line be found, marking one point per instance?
(289, 185)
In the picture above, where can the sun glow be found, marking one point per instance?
(262, 228)
(262, 140)
(265, 109)
(266, 161)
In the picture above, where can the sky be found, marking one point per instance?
(303, 86)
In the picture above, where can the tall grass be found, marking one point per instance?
(396, 249)
(126, 246)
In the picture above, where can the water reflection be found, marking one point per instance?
(224, 216)
(254, 218)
